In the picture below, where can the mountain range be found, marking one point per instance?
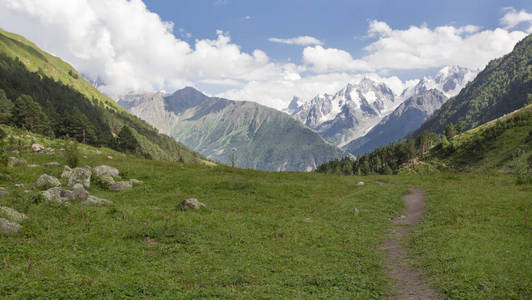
(259, 137)
(348, 117)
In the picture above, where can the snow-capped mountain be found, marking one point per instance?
(349, 113)
(357, 108)
(449, 80)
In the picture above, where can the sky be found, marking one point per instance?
(266, 51)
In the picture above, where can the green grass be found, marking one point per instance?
(252, 241)
(473, 240)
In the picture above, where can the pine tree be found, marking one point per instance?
(6, 106)
(450, 131)
(126, 140)
(28, 114)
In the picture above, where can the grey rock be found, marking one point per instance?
(12, 214)
(79, 192)
(66, 172)
(120, 186)
(192, 203)
(93, 200)
(135, 181)
(52, 164)
(55, 196)
(15, 162)
(80, 175)
(47, 181)
(8, 227)
(67, 194)
(37, 148)
(104, 170)
(356, 212)
(33, 166)
(308, 220)
(49, 150)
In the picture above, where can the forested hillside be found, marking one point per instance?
(54, 104)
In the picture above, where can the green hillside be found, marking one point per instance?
(502, 87)
(39, 61)
(496, 145)
(71, 106)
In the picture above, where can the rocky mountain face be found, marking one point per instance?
(405, 118)
(349, 113)
(449, 80)
(262, 137)
(353, 111)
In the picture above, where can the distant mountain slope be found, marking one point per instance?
(349, 113)
(263, 137)
(404, 119)
(354, 110)
(72, 106)
(450, 80)
(502, 87)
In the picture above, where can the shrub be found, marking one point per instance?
(72, 153)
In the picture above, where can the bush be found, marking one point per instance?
(72, 153)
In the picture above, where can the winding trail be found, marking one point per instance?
(409, 283)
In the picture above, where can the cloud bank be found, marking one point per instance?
(131, 49)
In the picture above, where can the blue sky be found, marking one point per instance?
(339, 24)
(266, 51)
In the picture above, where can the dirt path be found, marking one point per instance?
(409, 283)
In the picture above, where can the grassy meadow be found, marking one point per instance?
(262, 236)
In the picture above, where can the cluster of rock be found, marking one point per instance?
(10, 219)
(79, 179)
(38, 148)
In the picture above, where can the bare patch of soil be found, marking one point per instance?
(409, 283)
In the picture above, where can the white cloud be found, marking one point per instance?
(247, 18)
(420, 47)
(300, 40)
(143, 54)
(330, 59)
(513, 18)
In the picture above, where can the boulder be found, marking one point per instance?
(47, 181)
(104, 170)
(15, 162)
(80, 175)
(66, 172)
(37, 148)
(52, 164)
(135, 181)
(8, 227)
(56, 195)
(49, 150)
(33, 166)
(11, 214)
(120, 186)
(192, 203)
(93, 200)
(79, 192)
